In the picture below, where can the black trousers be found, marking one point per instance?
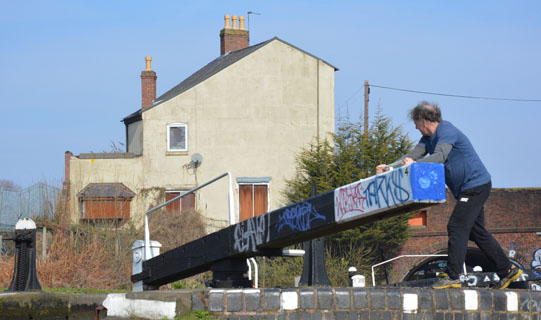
(467, 222)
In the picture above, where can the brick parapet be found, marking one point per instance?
(298, 303)
(366, 303)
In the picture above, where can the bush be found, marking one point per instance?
(173, 230)
(100, 255)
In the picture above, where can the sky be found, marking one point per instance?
(71, 69)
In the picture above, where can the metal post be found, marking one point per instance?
(314, 271)
(44, 244)
(25, 277)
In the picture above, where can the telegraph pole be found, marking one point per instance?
(366, 99)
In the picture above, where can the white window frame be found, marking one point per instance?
(168, 133)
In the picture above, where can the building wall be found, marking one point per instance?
(513, 216)
(99, 170)
(250, 119)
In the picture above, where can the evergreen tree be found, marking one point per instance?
(354, 156)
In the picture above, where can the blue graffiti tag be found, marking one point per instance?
(298, 217)
(386, 190)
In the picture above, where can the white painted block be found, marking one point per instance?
(118, 306)
(251, 291)
(471, 300)
(512, 301)
(410, 304)
(234, 291)
(289, 300)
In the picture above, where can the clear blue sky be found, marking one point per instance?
(70, 69)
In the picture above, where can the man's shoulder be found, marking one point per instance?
(447, 125)
(446, 128)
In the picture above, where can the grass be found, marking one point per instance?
(78, 290)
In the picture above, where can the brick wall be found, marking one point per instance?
(303, 303)
(513, 216)
(354, 303)
(233, 39)
(148, 87)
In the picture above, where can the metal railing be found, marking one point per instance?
(402, 256)
(148, 252)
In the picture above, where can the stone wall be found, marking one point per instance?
(304, 303)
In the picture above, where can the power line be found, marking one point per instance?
(454, 95)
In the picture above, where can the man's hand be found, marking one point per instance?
(381, 168)
(407, 161)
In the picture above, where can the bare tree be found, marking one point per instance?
(9, 185)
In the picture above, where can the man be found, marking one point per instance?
(470, 183)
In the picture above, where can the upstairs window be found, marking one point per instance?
(177, 137)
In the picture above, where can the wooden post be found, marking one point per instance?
(366, 99)
(44, 245)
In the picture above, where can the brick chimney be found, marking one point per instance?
(148, 84)
(233, 38)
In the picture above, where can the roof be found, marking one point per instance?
(208, 71)
(106, 190)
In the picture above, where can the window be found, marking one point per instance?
(418, 220)
(105, 201)
(177, 137)
(176, 207)
(253, 200)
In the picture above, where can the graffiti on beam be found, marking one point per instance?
(251, 233)
(387, 190)
(350, 199)
(298, 217)
(372, 194)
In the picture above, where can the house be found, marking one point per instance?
(248, 112)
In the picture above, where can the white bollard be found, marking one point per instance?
(138, 250)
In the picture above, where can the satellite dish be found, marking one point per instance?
(197, 159)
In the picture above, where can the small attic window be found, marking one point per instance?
(177, 137)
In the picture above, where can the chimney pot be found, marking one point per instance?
(148, 60)
(241, 19)
(233, 39)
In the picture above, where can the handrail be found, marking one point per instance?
(148, 252)
(402, 256)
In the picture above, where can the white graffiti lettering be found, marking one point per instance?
(469, 280)
(536, 262)
(251, 233)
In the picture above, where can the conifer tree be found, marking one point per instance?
(349, 157)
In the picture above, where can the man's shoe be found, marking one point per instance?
(446, 282)
(512, 275)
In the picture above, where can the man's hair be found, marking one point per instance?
(426, 111)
